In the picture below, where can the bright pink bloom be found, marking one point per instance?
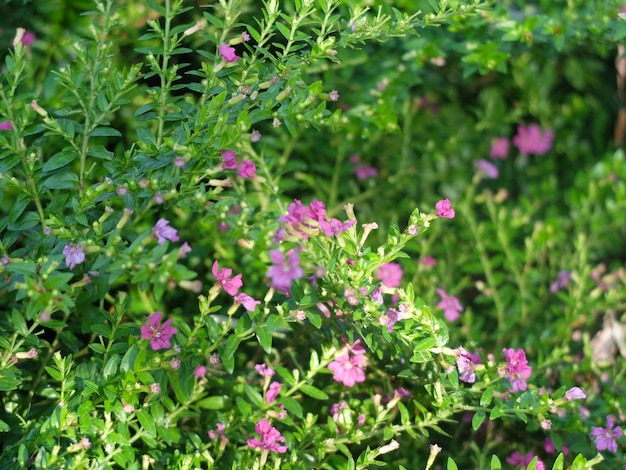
(335, 226)
(465, 364)
(499, 147)
(230, 285)
(450, 305)
(520, 460)
(517, 370)
(74, 254)
(531, 140)
(390, 274)
(264, 370)
(228, 53)
(270, 438)
(162, 231)
(28, 38)
(229, 160)
(247, 169)
(428, 260)
(349, 365)
(199, 371)
(159, 335)
(272, 392)
(488, 168)
(444, 209)
(605, 437)
(218, 433)
(248, 302)
(6, 126)
(284, 270)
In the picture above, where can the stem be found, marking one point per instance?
(163, 71)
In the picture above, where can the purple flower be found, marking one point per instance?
(264, 370)
(272, 392)
(517, 370)
(6, 126)
(335, 226)
(488, 168)
(516, 458)
(499, 147)
(28, 38)
(162, 231)
(228, 53)
(247, 169)
(229, 161)
(531, 140)
(575, 393)
(349, 365)
(562, 280)
(248, 302)
(230, 285)
(444, 209)
(450, 305)
(284, 270)
(159, 335)
(74, 254)
(270, 438)
(390, 274)
(605, 437)
(465, 365)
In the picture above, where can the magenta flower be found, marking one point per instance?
(390, 274)
(272, 392)
(488, 168)
(364, 172)
(531, 140)
(444, 209)
(284, 270)
(499, 147)
(74, 254)
(228, 53)
(159, 335)
(248, 302)
(516, 458)
(218, 433)
(605, 437)
(162, 231)
(199, 372)
(230, 285)
(575, 393)
(335, 226)
(270, 438)
(28, 38)
(429, 261)
(6, 126)
(264, 370)
(450, 305)
(247, 169)
(349, 365)
(229, 161)
(517, 370)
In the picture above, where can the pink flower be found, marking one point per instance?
(74, 254)
(390, 274)
(444, 209)
(428, 260)
(6, 126)
(218, 432)
(159, 335)
(270, 438)
(392, 317)
(520, 460)
(247, 169)
(563, 278)
(229, 161)
(605, 437)
(272, 392)
(531, 140)
(450, 305)
(465, 364)
(349, 365)
(575, 393)
(230, 285)
(499, 147)
(162, 231)
(228, 53)
(284, 270)
(488, 168)
(199, 371)
(28, 38)
(517, 370)
(248, 302)
(335, 226)
(264, 370)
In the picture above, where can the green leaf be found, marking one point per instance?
(61, 180)
(265, 339)
(495, 463)
(314, 392)
(231, 346)
(59, 160)
(451, 465)
(4, 427)
(485, 399)
(128, 361)
(213, 403)
(105, 132)
(110, 369)
(147, 423)
(18, 322)
(292, 406)
(558, 463)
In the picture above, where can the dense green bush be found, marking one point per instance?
(224, 239)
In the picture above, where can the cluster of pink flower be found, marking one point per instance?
(361, 170)
(245, 169)
(232, 285)
(302, 222)
(349, 365)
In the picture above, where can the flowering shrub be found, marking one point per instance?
(228, 241)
